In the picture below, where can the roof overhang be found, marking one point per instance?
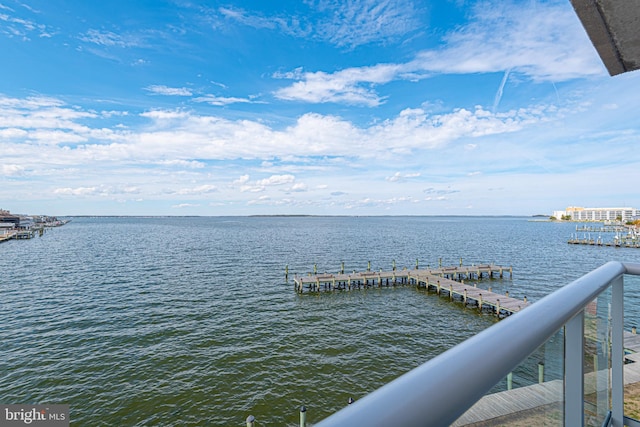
(614, 29)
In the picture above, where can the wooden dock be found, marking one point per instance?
(445, 281)
(635, 243)
(21, 234)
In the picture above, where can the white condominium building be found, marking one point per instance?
(597, 214)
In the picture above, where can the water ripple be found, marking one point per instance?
(188, 321)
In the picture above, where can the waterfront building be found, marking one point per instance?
(597, 214)
(8, 217)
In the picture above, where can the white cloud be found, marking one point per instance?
(79, 191)
(111, 39)
(276, 180)
(12, 170)
(198, 190)
(18, 27)
(191, 164)
(220, 100)
(290, 25)
(359, 22)
(400, 177)
(185, 205)
(185, 139)
(298, 187)
(544, 42)
(242, 180)
(349, 86)
(344, 24)
(168, 91)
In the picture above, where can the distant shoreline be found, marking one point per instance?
(303, 216)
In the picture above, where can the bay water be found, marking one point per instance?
(189, 320)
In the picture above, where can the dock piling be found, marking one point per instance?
(303, 416)
(540, 372)
(251, 421)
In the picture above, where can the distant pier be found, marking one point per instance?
(28, 233)
(21, 234)
(445, 281)
(617, 243)
(624, 237)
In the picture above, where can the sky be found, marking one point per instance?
(315, 107)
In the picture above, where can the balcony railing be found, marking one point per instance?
(575, 334)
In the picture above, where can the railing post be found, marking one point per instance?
(573, 371)
(617, 352)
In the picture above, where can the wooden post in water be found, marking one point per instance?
(342, 267)
(394, 265)
(251, 421)
(451, 292)
(303, 416)
(368, 265)
(440, 262)
(465, 296)
(480, 303)
(540, 372)
(506, 294)
(416, 263)
(286, 273)
(460, 261)
(315, 268)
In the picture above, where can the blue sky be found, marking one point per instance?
(351, 107)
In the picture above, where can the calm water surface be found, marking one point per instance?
(189, 321)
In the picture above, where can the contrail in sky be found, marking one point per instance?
(500, 89)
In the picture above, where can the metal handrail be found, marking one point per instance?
(439, 391)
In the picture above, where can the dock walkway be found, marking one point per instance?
(446, 281)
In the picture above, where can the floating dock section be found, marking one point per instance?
(445, 281)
